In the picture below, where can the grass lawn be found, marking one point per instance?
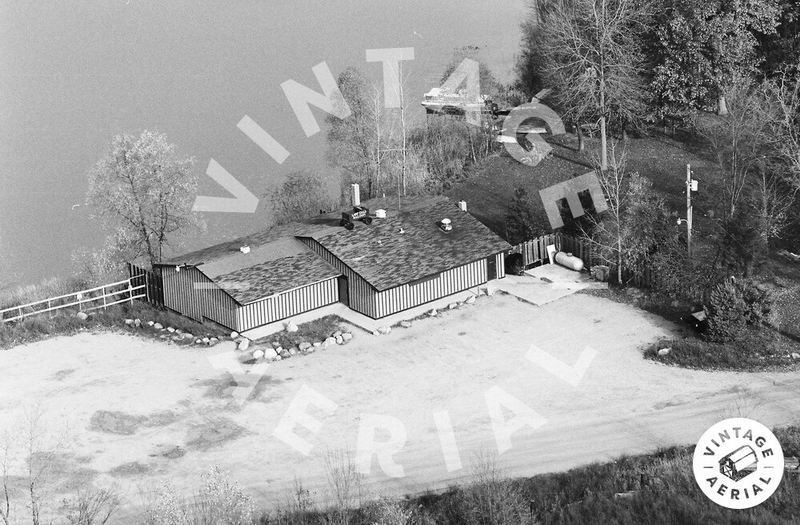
(64, 322)
(660, 487)
(489, 187)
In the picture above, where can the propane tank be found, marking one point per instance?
(569, 261)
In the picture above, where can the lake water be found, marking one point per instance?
(73, 74)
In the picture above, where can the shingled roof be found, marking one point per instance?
(386, 258)
(278, 275)
(378, 252)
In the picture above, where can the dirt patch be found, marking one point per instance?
(213, 433)
(115, 422)
(261, 389)
(161, 419)
(127, 424)
(63, 374)
(63, 470)
(218, 388)
(134, 468)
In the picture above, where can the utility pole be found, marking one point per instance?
(689, 209)
(691, 185)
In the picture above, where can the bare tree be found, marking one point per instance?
(91, 506)
(592, 56)
(628, 234)
(739, 139)
(5, 497)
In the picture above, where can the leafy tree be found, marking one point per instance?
(780, 49)
(700, 47)
(592, 55)
(302, 194)
(145, 189)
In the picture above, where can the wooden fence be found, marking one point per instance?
(152, 282)
(535, 251)
(84, 300)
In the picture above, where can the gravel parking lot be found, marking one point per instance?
(131, 412)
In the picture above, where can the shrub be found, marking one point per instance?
(733, 305)
(219, 501)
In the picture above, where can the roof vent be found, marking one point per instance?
(446, 225)
(244, 249)
(462, 205)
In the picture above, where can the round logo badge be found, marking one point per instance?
(738, 463)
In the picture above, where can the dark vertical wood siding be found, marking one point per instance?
(361, 294)
(446, 283)
(191, 293)
(287, 304)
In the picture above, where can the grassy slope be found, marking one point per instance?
(490, 185)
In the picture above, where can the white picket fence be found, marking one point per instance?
(85, 300)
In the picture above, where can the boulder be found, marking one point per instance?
(452, 306)
(489, 292)
(82, 316)
(317, 344)
(305, 345)
(347, 336)
(330, 341)
(258, 354)
(137, 323)
(234, 335)
(291, 327)
(198, 341)
(385, 330)
(278, 358)
(664, 351)
(470, 300)
(346, 329)
(206, 340)
(187, 335)
(269, 353)
(275, 344)
(158, 326)
(244, 344)
(284, 353)
(170, 330)
(293, 350)
(213, 341)
(150, 323)
(405, 324)
(128, 322)
(339, 340)
(337, 333)
(795, 355)
(433, 312)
